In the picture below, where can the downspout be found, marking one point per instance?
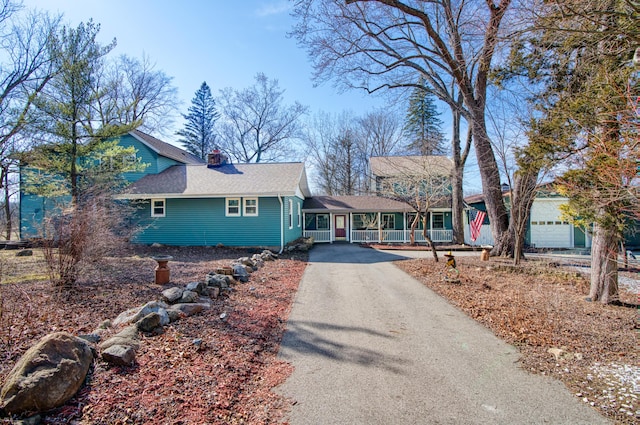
(281, 224)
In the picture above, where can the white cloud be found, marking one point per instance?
(275, 8)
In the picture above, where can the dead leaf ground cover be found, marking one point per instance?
(540, 305)
(225, 379)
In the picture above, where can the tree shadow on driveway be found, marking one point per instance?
(311, 339)
(346, 253)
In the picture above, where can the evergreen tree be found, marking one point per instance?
(79, 146)
(198, 135)
(422, 125)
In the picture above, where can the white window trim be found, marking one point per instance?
(290, 214)
(299, 215)
(382, 220)
(164, 207)
(226, 207)
(244, 207)
(328, 222)
(440, 214)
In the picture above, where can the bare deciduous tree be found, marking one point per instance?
(255, 125)
(422, 183)
(376, 44)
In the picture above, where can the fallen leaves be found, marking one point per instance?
(225, 378)
(538, 307)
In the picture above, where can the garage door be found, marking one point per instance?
(547, 228)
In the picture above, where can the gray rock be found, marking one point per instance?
(135, 314)
(47, 375)
(217, 280)
(198, 287)
(189, 309)
(24, 253)
(246, 261)
(172, 295)
(92, 338)
(148, 322)
(128, 337)
(240, 273)
(119, 355)
(190, 297)
(174, 315)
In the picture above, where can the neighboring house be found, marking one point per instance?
(156, 154)
(390, 174)
(387, 214)
(369, 219)
(546, 228)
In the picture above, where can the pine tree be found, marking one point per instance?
(422, 125)
(198, 136)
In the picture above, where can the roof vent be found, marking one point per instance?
(216, 159)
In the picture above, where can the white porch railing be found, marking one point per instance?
(399, 236)
(318, 235)
(365, 235)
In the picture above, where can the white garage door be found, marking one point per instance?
(547, 228)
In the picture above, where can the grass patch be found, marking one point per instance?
(15, 269)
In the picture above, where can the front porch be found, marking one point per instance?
(375, 227)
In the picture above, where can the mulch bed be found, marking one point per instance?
(225, 379)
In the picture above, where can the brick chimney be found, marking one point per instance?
(215, 159)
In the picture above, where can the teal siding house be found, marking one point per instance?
(220, 204)
(181, 200)
(154, 153)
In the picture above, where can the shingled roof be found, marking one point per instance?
(394, 166)
(353, 204)
(199, 181)
(166, 149)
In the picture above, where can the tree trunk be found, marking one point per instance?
(425, 233)
(412, 235)
(491, 188)
(457, 195)
(604, 265)
(522, 196)
(7, 203)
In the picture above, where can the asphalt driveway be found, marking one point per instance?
(371, 345)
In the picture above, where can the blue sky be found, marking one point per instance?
(225, 43)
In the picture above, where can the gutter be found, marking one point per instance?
(281, 224)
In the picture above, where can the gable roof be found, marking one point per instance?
(353, 204)
(199, 181)
(165, 149)
(393, 166)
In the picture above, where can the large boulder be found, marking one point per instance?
(47, 375)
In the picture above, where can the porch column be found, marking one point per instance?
(350, 227)
(404, 227)
(331, 228)
(379, 227)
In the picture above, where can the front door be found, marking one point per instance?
(340, 227)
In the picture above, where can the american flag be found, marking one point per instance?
(475, 223)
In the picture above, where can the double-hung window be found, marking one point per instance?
(250, 206)
(437, 221)
(388, 221)
(232, 207)
(158, 208)
(290, 214)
